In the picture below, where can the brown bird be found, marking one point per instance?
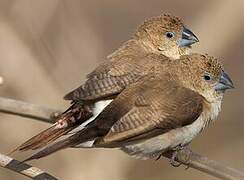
(164, 110)
(163, 36)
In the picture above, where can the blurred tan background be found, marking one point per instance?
(47, 48)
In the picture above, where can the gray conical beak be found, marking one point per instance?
(188, 38)
(224, 82)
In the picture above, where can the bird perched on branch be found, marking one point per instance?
(164, 36)
(162, 111)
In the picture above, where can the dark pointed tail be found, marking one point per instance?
(76, 139)
(66, 122)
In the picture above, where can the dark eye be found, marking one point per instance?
(170, 35)
(207, 77)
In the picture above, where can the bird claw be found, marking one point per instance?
(159, 156)
(187, 156)
(173, 160)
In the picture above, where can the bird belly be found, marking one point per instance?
(153, 147)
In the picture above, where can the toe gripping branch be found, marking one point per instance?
(179, 156)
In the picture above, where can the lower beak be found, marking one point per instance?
(188, 38)
(224, 83)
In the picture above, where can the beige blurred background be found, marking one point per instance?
(48, 46)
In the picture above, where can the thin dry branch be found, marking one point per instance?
(184, 156)
(27, 110)
(202, 163)
(24, 168)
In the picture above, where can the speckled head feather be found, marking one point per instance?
(165, 22)
(204, 63)
(196, 67)
(212, 63)
(162, 34)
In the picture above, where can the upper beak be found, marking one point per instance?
(224, 83)
(188, 38)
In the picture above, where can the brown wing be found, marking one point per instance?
(144, 108)
(113, 76)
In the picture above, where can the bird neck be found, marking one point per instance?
(148, 46)
(210, 111)
(171, 52)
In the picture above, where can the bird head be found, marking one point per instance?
(206, 75)
(167, 35)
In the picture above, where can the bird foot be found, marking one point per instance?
(184, 156)
(173, 160)
(159, 156)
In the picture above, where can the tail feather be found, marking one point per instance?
(36, 141)
(40, 141)
(66, 122)
(78, 138)
(50, 149)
